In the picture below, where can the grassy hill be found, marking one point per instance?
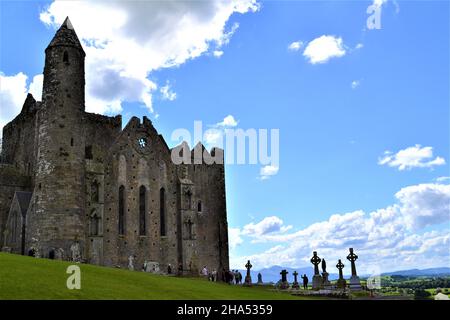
(30, 278)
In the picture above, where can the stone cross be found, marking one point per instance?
(248, 278)
(284, 275)
(352, 258)
(340, 266)
(260, 278)
(315, 260)
(295, 284)
(324, 266)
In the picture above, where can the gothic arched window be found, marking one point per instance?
(162, 211)
(142, 209)
(199, 206)
(66, 57)
(95, 188)
(95, 224)
(122, 210)
(189, 230)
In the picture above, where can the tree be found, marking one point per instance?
(421, 294)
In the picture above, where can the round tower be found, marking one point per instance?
(57, 219)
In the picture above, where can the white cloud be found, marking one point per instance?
(355, 84)
(412, 157)
(213, 137)
(35, 87)
(359, 46)
(442, 179)
(379, 3)
(234, 237)
(167, 93)
(13, 91)
(126, 40)
(228, 121)
(295, 46)
(389, 238)
(218, 53)
(268, 225)
(267, 171)
(321, 49)
(425, 204)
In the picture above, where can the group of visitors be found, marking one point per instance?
(231, 277)
(211, 276)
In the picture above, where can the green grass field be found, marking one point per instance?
(30, 278)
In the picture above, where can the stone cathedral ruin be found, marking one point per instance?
(76, 186)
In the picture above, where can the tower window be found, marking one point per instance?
(142, 196)
(71, 142)
(121, 210)
(88, 152)
(95, 224)
(162, 211)
(199, 206)
(66, 57)
(189, 230)
(95, 189)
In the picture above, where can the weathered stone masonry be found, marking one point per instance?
(71, 178)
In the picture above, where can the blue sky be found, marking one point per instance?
(332, 135)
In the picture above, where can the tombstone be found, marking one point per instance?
(317, 279)
(295, 284)
(326, 284)
(31, 252)
(131, 262)
(75, 252)
(354, 284)
(151, 266)
(260, 281)
(341, 283)
(59, 254)
(284, 283)
(248, 278)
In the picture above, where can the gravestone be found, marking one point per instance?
(317, 279)
(59, 254)
(354, 283)
(295, 284)
(248, 277)
(326, 284)
(341, 283)
(284, 283)
(260, 281)
(151, 266)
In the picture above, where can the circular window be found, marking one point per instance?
(142, 142)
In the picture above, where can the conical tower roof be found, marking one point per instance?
(66, 36)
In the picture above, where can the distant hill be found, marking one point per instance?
(420, 272)
(272, 274)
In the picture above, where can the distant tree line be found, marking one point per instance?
(416, 283)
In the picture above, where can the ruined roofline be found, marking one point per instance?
(115, 121)
(30, 106)
(211, 153)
